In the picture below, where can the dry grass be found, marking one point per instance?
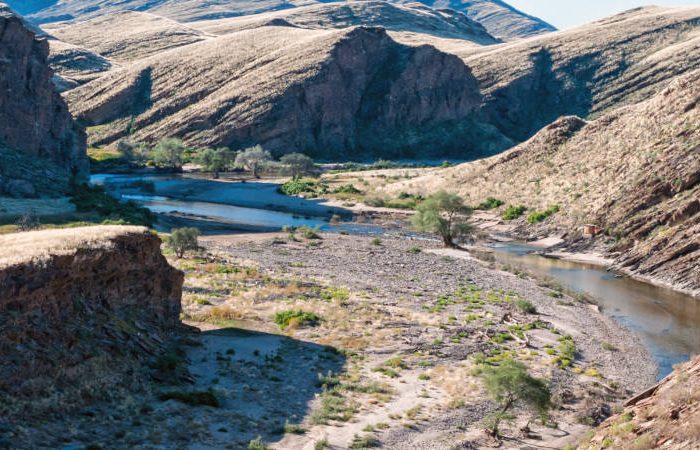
(38, 246)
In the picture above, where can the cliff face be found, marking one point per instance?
(333, 94)
(665, 416)
(34, 120)
(77, 303)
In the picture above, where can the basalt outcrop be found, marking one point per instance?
(35, 123)
(79, 308)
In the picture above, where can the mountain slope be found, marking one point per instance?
(126, 36)
(414, 18)
(634, 172)
(498, 17)
(40, 145)
(331, 93)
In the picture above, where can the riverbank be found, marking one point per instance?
(434, 313)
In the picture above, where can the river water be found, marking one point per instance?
(667, 322)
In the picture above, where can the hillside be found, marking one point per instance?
(37, 133)
(74, 65)
(358, 92)
(499, 18)
(126, 36)
(584, 71)
(666, 415)
(634, 172)
(413, 18)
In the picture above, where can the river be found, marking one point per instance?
(667, 322)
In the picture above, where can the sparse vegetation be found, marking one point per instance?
(513, 212)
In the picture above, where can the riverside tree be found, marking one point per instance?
(253, 159)
(510, 385)
(216, 160)
(297, 165)
(169, 153)
(182, 240)
(444, 214)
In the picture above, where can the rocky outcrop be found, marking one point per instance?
(34, 120)
(665, 416)
(333, 94)
(75, 305)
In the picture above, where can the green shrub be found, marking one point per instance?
(347, 189)
(298, 186)
(182, 240)
(375, 202)
(489, 203)
(539, 216)
(376, 241)
(257, 444)
(95, 199)
(362, 442)
(414, 250)
(284, 318)
(513, 212)
(526, 307)
(310, 233)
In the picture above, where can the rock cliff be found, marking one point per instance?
(35, 123)
(77, 308)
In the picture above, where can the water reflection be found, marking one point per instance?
(667, 321)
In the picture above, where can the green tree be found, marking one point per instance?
(253, 159)
(182, 240)
(216, 160)
(298, 164)
(511, 385)
(444, 214)
(169, 153)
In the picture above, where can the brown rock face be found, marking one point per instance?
(34, 120)
(113, 296)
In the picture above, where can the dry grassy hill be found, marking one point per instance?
(495, 15)
(335, 94)
(584, 71)
(126, 36)
(74, 65)
(634, 172)
(499, 18)
(413, 18)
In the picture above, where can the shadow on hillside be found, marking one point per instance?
(261, 378)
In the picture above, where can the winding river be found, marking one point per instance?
(667, 322)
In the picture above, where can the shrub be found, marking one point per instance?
(284, 318)
(376, 241)
(375, 202)
(414, 250)
(309, 233)
(347, 189)
(539, 216)
(526, 307)
(257, 444)
(95, 199)
(182, 240)
(298, 186)
(298, 164)
(513, 212)
(253, 159)
(169, 153)
(509, 385)
(368, 441)
(489, 203)
(195, 398)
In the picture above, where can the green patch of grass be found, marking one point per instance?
(334, 406)
(284, 318)
(194, 398)
(293, 428)
(414, 250)
(362, 442)
(299, 186)
(335, 293)
(376, 242)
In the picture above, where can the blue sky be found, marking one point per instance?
(567, 13)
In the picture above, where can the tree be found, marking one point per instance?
(216, 160)
(510, 385)
(168, 153)
(445, 215)
(298, 164)
(183, 239)
(253, 159)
